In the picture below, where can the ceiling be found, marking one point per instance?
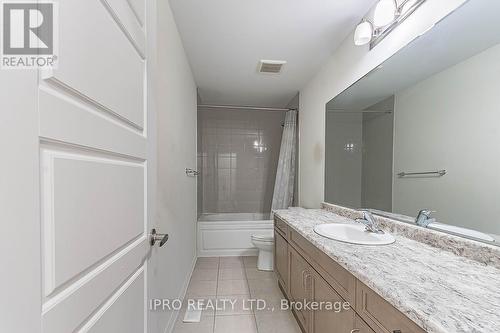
(225, 40)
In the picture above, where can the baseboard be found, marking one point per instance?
(228, 253)
(171, 323)
(230, 238)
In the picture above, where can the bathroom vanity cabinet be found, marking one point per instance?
(306, 274)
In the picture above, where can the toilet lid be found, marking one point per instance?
(263, 238)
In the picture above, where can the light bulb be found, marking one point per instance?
(385, 12)
(363, 34)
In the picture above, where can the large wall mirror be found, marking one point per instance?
(422, 131)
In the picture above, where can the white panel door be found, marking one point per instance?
(80, 196)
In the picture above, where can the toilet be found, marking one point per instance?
(265, 245)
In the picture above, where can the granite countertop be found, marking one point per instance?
(440, 291)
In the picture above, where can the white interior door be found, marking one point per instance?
(89, 196)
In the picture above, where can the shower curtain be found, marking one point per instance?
(285, 175)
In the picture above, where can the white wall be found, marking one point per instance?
(346, 66)
(343, 177)
(294, 104)
(361, 176)
(376, 187)
(176, 193)
(450, 121)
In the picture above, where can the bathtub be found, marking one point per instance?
(228, 234)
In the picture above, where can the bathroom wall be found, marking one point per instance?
(359, 157)
(199, 168)
(451, 121)
(176, 146)
(348, 64)
(344, 158)
(376, 182)
(239, 150)
(294, 104)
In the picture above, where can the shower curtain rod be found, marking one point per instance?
(358, 111)
(244, 107)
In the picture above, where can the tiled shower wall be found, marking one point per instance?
(238, 154)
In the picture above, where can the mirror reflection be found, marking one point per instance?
(425, 144)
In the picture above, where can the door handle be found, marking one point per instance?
(308, 284)
(156, 237)
(192, 173)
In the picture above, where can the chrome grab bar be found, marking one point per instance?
(439, 173)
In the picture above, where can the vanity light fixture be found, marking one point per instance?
(385, 12)
(363, 34)
(388, 14)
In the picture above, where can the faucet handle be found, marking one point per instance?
(426, 212)
(424, 217)
(369, 221)
(367, 215)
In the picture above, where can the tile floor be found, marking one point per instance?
(236, 279)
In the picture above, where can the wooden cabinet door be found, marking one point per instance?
(327, 320)
(301, 280)
(380, 315)
(361, 327)
(281, 258)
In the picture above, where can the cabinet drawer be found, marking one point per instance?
(380, 315)
(281, 226)
(338, 277)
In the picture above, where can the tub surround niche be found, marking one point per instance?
(425, 281)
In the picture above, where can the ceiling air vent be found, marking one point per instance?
(271, 66)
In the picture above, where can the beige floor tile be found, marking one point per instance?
(235, 324)
(207, 304)
(263, 287)
(232, 274)
(281, 322)
(207, 263)
(255, 274)
(273, 297)
(270, 304)
(234, 305)
(232, 287)
(202, 288)
(201, 274)
(231, 259)
(250, 262)
(231, 262)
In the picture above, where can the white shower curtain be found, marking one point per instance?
(285, 176)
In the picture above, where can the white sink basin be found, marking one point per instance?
(352, 233)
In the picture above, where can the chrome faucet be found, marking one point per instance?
(369, 221)
(424, 218)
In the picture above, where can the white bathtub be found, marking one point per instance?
(209, 217)
(228, 234)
